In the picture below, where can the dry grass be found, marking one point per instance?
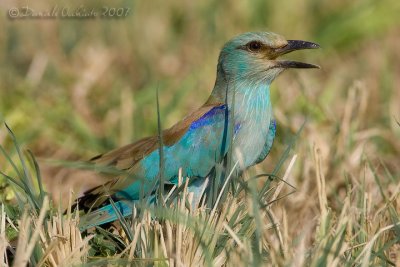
(239, 232)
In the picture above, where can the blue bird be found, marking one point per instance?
(239, 107)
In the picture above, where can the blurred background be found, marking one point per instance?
(73, 88)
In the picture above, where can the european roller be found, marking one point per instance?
(236, 117)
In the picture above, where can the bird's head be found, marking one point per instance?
(252, 57)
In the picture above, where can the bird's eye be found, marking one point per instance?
(254, 46)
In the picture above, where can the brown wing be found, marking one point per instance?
(125, 158)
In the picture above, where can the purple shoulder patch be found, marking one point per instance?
(207, 118)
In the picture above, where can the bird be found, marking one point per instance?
(236, 117)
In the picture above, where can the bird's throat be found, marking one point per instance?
(253, 112)
(251, 103)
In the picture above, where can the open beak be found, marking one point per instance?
(293, 45)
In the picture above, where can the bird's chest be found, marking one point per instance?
(250, 138)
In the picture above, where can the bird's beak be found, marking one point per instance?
(293, 45)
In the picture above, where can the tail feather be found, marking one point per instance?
(108, 213)
(105, 214)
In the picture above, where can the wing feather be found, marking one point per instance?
(126, 158)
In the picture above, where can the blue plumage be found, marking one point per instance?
(208, 118)
(240, 101)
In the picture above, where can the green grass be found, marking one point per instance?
(71, 89)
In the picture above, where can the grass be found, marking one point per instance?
(71, 89)
(243, 230)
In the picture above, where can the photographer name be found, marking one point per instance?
(80, 12)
